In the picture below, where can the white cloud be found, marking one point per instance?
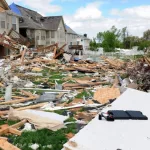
(91, 11)
(42, 6)
(134, 12)
(137, 20)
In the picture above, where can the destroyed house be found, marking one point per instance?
(8, 20)
(40, 30)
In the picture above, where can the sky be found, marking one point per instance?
(93, 16)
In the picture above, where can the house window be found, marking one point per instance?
(53, 34)
(7, 25)
(77, 42)
(37, 37)
(62, 34)
(47, 35)
(52, 42)
(70, 43)
(14, 23)
(3, 24)
(32, 33)
(42, 35)
(47, 42)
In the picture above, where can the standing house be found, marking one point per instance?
(8, 20)
(41, 31)
(84, 41)
(71, 36)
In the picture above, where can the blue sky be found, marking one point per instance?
(93, 16)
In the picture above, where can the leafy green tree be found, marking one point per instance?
(110, 39)
(146, 35)
(94, 45)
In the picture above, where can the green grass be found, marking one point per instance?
(43, 137)
(9, 122)
(84, 93)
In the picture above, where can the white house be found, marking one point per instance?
(84, 41)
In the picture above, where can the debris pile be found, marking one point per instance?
(49, 88)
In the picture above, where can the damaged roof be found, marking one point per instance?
(30, 18)
(34, 20)
(69, 30)
(4, 5)
(51, 22)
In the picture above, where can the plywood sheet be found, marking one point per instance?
(103, 95)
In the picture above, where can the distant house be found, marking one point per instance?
(71, 36)
(40, 30)
(8, 20)
(84, 41)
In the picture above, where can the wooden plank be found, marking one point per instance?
(18, 101)
(27, 93)
(32, 106)
(18, 97)
(55, 50)
(19, 124)
(22, 57)
(57, 55)
(11, 129)
(4, 131)
(14, 131)
(5, 145)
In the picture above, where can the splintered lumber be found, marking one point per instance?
(24, 108)
(103, 95)
(2, 98)
(45, 48)
(27, 93)
(13, 129)
(116, 82)
(22, 57)
(5, 145)
(18, 101)
(118, 64)
(32, 106)
(57, 55)
(147, 60)
(78, 86)
(55, 50)
(84, 69)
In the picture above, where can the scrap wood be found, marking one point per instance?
(24, 108)
(17, 97)
(103, 95)
(55, 50)
(83, 85)
(47, 47)
(147, 60)
(5, 145)
(18, 101)
(13, 128)
(2, 98)
(22, 57)
(37, 69)
(116, 82)
(1, 85)
(32, 106)
(69, 135)
(27, 93)
(114, 63)
(83, 69)
(58, 54)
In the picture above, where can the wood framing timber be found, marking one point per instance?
(13, 129)
(5, 145)
(18, 101)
